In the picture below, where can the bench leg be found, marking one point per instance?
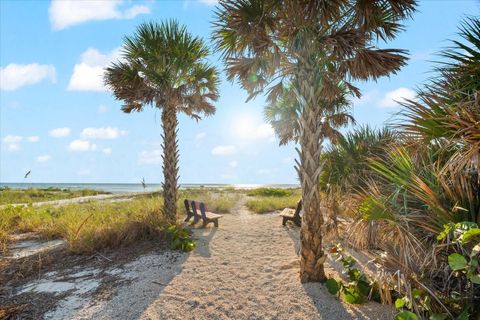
(284, 221)
(188, 217)
(204, 225)
(215, 222)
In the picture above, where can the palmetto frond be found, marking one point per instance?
(164, 64)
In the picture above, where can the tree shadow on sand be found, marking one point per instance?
(329, 306)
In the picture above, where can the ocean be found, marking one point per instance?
(135, 187)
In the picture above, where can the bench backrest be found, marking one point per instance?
(187, 206)
(202, 210)
(298, 209)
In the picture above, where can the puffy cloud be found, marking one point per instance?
(44, 158)
(391, 98)
(367, 97)
(233, 164)
(200, 136)
(12, 142)
(107, 151)
(59, 132)
(250, 128)
(102, 133)
(88, 74)
(14, 76)
(67, 13)
(150, 157)
(33, 138)
(224, 150)
(81, 146)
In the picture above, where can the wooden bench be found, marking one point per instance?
(204, 215)
(289, 214)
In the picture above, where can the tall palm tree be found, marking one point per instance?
(164, 66)
(316, 48)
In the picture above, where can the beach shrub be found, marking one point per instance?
(87, 227)
(270, 192)
(180, 238)
(269, 204)
(359, 288)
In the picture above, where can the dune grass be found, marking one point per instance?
(216, 200)
(11, 196)
(87, 227)
(265, 200)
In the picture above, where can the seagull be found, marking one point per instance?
(26, 174)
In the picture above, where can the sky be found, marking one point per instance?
(59, 121)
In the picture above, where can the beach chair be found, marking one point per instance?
(289, 214)
(189, 211)
(207, 217)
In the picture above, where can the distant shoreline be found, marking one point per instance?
(136, 187)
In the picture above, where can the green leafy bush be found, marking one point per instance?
(270, 192)
(180, 238)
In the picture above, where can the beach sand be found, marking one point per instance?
(246, 269)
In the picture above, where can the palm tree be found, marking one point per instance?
(314, 48)
(164, 66)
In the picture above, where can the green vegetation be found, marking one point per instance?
(12, 196)
(268, 199)
(413, 190)
(180, 238)
(87, 226)
(216, 200)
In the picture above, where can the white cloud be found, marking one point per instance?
(250, 128)
(224, 150)
(200, 136)
(288, 160)
(14, 76)
(107, 151)
(391, 98)
(88, 74)
(367, 97)
(102, 133)
(12, 142)
(44, 158)
(233, 164)
(33, 138)
(59, 132)
(102, 109)
(66, 13)
(150, 157)
(81, 146)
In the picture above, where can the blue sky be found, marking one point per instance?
(58, 121)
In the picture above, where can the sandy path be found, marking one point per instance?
(245, 269)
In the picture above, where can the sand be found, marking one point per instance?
(245, 269)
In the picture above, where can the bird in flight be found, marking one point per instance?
(26, 174)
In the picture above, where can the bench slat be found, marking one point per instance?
(287, 212)
(211, 215)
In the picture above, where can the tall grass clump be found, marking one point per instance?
(14, 196)
(263, 200)
(87, 227)
(216, 200)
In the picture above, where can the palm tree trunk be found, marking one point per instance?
(309, 169)
(170, 163)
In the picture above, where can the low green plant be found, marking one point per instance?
(180, 238)
(359, 288)
(270, 192)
